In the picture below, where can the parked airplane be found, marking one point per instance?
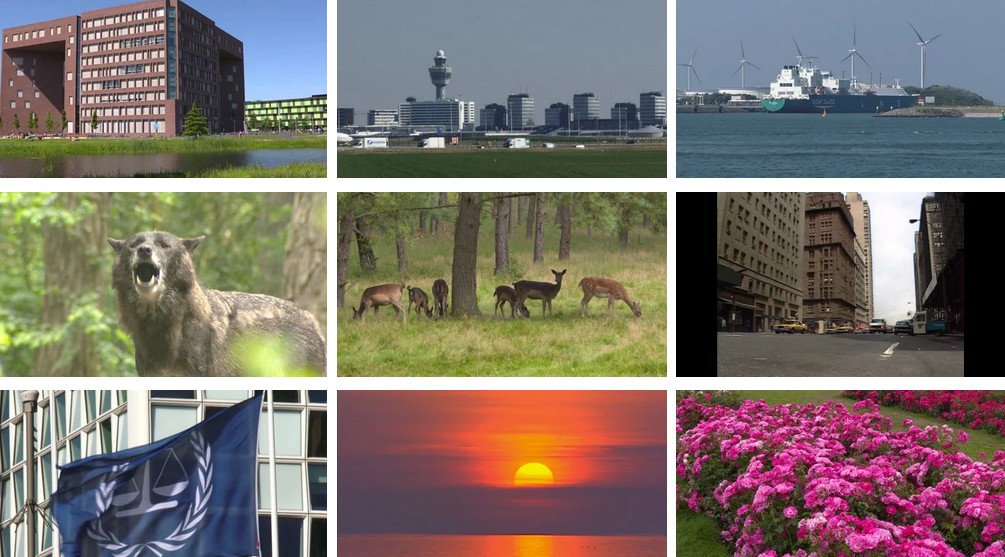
(343, 138)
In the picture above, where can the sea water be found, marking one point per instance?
(500, 546)
(841, 145)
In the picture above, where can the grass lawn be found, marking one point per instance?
(592, 162)
(563, 345)
(701, 534)
(98, 146)
(295, 170)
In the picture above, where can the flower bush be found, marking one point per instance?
(982, 410)
(823, 481)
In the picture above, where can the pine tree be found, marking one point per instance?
(195, 123)
(63, 116)
(32, 122)
(94, 121)
(49, 123)
(17, 123)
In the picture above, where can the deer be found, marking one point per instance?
(440, 297)
(544, 291)
(505, 294)
(606, 288)
(383, 295)
(418, 297)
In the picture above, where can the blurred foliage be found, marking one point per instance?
(243, 250)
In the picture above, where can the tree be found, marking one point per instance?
(252, 122)
(74, 258)
(305, 263)
(399, 248)
(502, 210)
(367, 261)
(17, 123)
(94, 121)
(565, 222)
(50, 124)
(195, 123)
(62, 115)
(531, 212)
(346, 219)
(464, 290)
(539, 228)
(32, 122)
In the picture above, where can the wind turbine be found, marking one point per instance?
(690, 68)
(854, 53)
(923, 44)
(743, 62)
(799, 53)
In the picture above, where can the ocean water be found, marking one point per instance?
(752, 145)
(500, 546)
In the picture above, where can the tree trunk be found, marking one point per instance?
(367, 261)
(503, 208)
(530, 216)
(521, 203)
(399, 245)
(305, 265)
(435, 224)
(345, 223)
(422, 222)
(539, 229)
(565, 220)
(463, 291)
(512, 217)
(75, 257)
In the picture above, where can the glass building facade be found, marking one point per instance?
(305, 114)
(70, 425)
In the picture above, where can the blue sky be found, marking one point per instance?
(285, 43)
(966, 55)
(550, 49)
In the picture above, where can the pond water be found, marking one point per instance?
(128, 165)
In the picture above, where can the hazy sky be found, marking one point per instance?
(893, 251)
(551, 50)
(443, 462)
(966, 55)
(285, 44)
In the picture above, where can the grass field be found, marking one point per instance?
(20, 147)
(592, 162)
(698, 535)
(295, 170)
(563, 345)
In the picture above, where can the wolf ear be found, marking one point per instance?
(116, 244)
(191, 243)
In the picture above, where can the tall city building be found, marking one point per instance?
(627, 113)
(71, 425)
(585, 106)
(135, 69)
(386, 117)
(862, 315)
(345, 117)
(521, 111)
(939, 258)
(759, 259)
(863, 233)
(493, 117)
(653, 109)
(829, 262)
(439, 114)
(557, 115)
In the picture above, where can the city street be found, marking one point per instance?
(846, 355)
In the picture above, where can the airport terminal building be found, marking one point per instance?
(135, 70)
(70, 425)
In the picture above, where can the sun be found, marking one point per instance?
(533, 474)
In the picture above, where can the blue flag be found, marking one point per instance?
(192, 494)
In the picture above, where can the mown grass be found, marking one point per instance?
(592, 162)
(563, 345)
(292, 170)
(701, 533)
(20, 147)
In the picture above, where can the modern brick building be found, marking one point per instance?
(829, 259)
(138, 68)
(759, 264)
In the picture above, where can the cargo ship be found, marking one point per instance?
(804, 88)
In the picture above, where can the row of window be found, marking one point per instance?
(127, 69)
(123, 18)
(122, 31)
(144, 83)
(37, 34)
(126, 57)
(127, 110)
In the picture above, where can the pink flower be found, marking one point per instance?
(790, 512)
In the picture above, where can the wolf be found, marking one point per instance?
(181, 328)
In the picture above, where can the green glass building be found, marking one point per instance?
(305, 114)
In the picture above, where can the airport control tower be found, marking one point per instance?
(440, 74)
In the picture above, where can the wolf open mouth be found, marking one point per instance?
(146, 275)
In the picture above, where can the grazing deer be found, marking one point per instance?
(544, 291)
(606, 288)
(418, 297)
(440, 297)
(505, 294)
(383, 295)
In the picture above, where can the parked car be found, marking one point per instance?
(902, 327)
(839, 329)
(790, 326)
(878, 326)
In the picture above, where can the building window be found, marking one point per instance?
(20, 94)
(69, 76)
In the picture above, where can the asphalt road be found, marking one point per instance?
(845, 355)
